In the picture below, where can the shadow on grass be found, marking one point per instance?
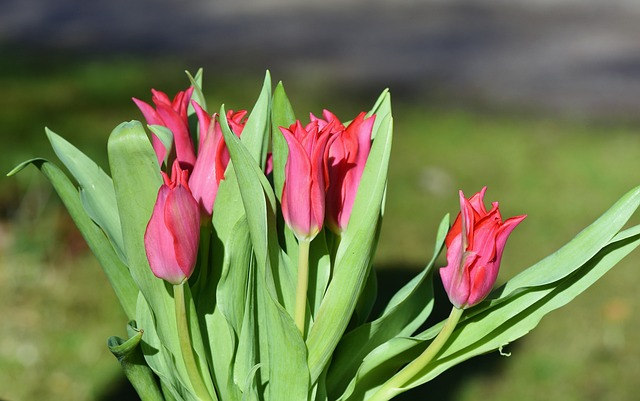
(445, 387)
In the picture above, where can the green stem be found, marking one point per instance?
(388, 390)
(303, 283)
(185, 344)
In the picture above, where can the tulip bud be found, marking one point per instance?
(173, 233)
(346, 157)
(173, 115)
(305, 184)
(475, 244)
(213, 156)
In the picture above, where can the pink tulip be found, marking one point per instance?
(346, 157)
(475, 244)
(305, 184)
(213, 156)
(173, 115)
(173, 233)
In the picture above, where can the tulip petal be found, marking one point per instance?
(158, 243)
(152, 118)
(296, 202)
(182, 218)
(346, 156)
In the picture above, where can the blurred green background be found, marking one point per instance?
(562, 161)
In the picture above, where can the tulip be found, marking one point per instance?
(173, 115)
(213, 156)
(346, 157)
(173, 233)
(475, 244)
(303, 194)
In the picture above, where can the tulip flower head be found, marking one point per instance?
(303, 194)
(173, 115)
(475, 244)
(346, 157)
(173, 233)
(213, 156)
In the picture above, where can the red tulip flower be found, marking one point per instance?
(213, 156)
(173, 233)
(475, 244)
(303, 194)
(346, 157)
(173, 115)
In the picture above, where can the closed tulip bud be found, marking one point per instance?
(173, 233)
(475, 244)
(173, 115)
(303, 194)
(346, 157)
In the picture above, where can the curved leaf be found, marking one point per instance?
(116, 271)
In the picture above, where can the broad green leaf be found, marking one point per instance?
(287, 370)
(366, 301)
(353, 258)
(282, 115)
(134, 366)
(579, 250)
(216, 329)
(222, 347)
(116, 271)
(406, 312)
(98, 196)
(255, 134)
(136, 176)
(173, 379)
(381, 108)
(248, 347)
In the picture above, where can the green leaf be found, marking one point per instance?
(250, 392)
(98, 196)
(581, 248)
(381, 108)
(248, 354)
(406, 312)
(134, 366)
(519, 315)
(136, 177)
(116, 271)
(496, 322)
(353, 257)
(165, 136)
(282, 115)
(198, 96)
(287, 370)
(255, 134)
(173, 378)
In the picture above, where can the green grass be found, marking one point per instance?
(58, 309)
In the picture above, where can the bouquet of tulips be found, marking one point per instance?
(240, 247)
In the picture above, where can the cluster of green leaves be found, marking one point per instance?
(241, 304)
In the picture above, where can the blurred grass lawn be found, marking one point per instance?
(59, 310)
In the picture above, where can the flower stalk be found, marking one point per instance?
(186, 347)
(303, 284)
(389, 389)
